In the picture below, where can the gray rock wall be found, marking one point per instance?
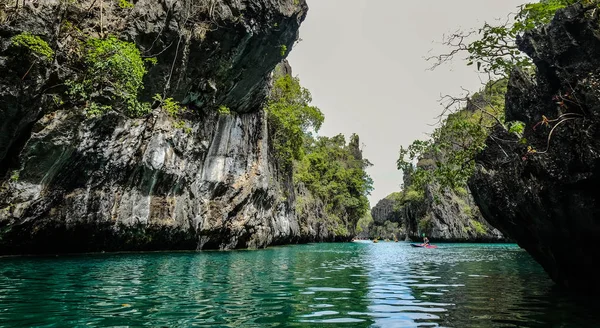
(73, 184)
(442, 215)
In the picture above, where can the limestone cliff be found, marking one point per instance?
(74, 183)
(546, 196)
(441, 214)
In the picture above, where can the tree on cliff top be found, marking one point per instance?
(331, 169)
(290, 117)
(448, 157)
(493, 50)
(469, 119)
(335, 172)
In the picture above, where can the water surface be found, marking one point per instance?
(319, 285)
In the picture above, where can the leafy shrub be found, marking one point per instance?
(38, 47)
(172, 107)
(516, 127)
(94, 109)
(461, 191)
(174, 110)
(413, 195)
(124, 4)
(115, 70)
(119, 62)
(224, 110)
(151, 60)
(479, 227)
(467, 210)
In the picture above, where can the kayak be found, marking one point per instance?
(423, 245)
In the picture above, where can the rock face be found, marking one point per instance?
(447, 215)
(548, 201)
(71, 183)
(441, 215)
(385, 210)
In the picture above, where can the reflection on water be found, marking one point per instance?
(331, 285)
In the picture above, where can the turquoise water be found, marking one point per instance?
(319, 285)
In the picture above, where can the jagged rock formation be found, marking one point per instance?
(548, 201)
(70, 183)
(442, 215)
(386, 220)
(448, 215)
(385, 210)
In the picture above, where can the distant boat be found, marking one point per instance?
(423, 246)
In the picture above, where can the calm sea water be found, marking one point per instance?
(319, 285)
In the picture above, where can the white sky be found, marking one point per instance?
(363, 61)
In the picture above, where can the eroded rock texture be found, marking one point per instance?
(71, 183)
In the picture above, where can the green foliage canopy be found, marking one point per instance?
(37, 47)
(454, 145)
(113, 69)
(335, 172)
(494, 50)
(290, 117)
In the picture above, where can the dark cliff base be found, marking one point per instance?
(93, 238)
(549, 200)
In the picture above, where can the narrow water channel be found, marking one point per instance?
(318, 285)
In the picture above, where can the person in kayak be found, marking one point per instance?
(425, 241)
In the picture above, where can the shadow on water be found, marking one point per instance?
(322, 285)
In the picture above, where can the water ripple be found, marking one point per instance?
(346, 285)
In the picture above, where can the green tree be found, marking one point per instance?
(336, 173)
(462, 134)
(290, 117)
(492, 47)
(448, 157)
(114, 72)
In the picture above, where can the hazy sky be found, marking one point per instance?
(363, 61)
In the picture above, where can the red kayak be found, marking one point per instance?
(423, 245)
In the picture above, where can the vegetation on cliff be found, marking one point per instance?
(442, 165)
(448, 157)
(494, 50)
(334, 171)
(290, 118)
(331, 169)
(113, 72)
